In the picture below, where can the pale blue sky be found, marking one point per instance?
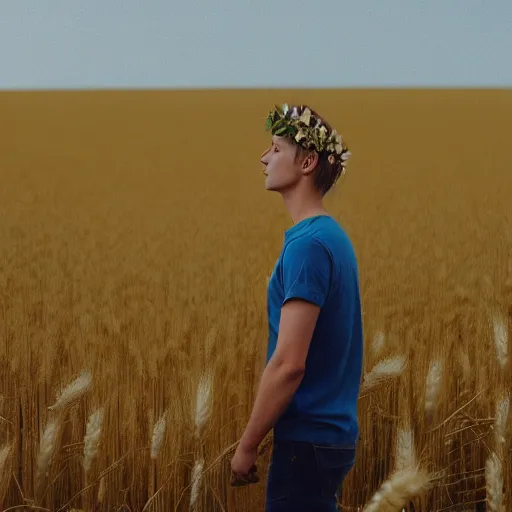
(263, 43)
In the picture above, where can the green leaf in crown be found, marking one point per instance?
(308, 130)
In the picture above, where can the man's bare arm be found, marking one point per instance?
(284, 371)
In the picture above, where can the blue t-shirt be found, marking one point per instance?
(318, 264)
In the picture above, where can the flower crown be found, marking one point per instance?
(308, 130)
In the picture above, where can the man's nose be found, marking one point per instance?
(262, 160)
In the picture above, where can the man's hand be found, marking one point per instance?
(243, 466)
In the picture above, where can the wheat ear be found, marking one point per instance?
(500, 340)
(383, 371)
(73, 391)
(494, 483)
(433, 384)
(400, 489)
(501, 422)
(158, 435)
(465, 366)
(405, 455)
(196, 482)
(5, 468)
(48, 446)
(203, 402)
(101, 490)
(92, 437)
(5, 452)
(378, 343)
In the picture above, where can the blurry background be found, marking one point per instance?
(136, 238)
(290, 43)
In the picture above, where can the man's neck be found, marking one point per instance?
(303, 206)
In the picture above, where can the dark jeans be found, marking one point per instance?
(304, 477)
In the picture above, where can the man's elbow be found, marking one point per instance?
(295, 373)
(291, 370)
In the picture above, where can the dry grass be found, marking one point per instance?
(135, 242)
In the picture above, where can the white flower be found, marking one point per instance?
(295, 113)
(346, 155)
(285, 108)
(306, 116)
(300, 135)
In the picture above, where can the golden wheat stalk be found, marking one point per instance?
(494, 483)
(73, 391)
(92, 437)
(398, 490)
(383, 371)
(158, 435)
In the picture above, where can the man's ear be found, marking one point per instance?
(310, 162)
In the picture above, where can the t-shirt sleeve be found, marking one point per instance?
(307, 271)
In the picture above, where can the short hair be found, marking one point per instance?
(326, 174)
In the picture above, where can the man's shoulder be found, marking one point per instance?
(323, 238)
(331, 235)
(309, 242)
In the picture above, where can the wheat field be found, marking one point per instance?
(136, 238)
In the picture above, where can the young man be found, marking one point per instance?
(309, 390)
